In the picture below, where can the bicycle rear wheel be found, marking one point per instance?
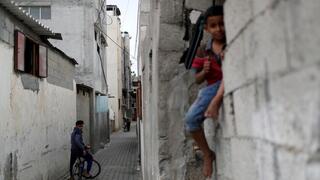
(77, 170)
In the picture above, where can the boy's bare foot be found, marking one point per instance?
(207, 164)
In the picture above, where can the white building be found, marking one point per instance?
(114, 65)
(38, 99)
(80, 23)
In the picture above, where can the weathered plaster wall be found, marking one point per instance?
(36, 120)
(35, 125)
(165, 91)
(84, 110)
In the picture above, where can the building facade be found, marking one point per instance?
(114, 64)
(81, 24)
(268, 125)
(126, 78)
(36, 79)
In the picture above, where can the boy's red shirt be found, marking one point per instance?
(215, 73)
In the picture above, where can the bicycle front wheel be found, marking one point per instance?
(95, 169)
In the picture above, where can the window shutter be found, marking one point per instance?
(43, 62)
(19, 51)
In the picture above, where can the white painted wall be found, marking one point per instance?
(114, 56)
(34, 126)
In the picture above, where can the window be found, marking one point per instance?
(29, 56)
(38, 12)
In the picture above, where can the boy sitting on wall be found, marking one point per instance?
(207, 67)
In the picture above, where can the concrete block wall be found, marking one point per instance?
(271, 106)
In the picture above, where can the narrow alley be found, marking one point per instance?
(119, 160)
(159, 89)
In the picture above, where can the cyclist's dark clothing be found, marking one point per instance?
(77, 148)
(77, 141)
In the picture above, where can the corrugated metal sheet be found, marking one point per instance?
(28, 20)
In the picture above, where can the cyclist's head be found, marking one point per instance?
(79, 124)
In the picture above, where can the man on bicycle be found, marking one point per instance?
(79, 149)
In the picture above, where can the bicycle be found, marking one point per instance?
(78, 169)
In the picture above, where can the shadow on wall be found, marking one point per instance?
(11, 166)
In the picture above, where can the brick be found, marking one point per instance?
(295, 107)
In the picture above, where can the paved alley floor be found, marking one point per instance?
(119, 159)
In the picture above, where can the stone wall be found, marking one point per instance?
(268, 125)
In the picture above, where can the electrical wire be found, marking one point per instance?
(115, 43)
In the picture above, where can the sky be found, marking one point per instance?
(129, 11)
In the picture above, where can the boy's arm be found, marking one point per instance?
(214, 106)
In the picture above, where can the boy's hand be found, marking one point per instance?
(212, 111)
(206, 67)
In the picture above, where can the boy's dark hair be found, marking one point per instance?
(213, 11)
(79, 122)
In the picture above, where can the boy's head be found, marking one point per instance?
(79, 124)
(214, 22)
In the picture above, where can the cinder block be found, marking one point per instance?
(171, 37)
(265, 45)
(313, 172)
(171, 12)
(234, 67)
(291, 165)
(144, 19)
(145, 5)
(303, 40)
(294, 107)
(244, 108)
(252, 160)
(237, 15)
